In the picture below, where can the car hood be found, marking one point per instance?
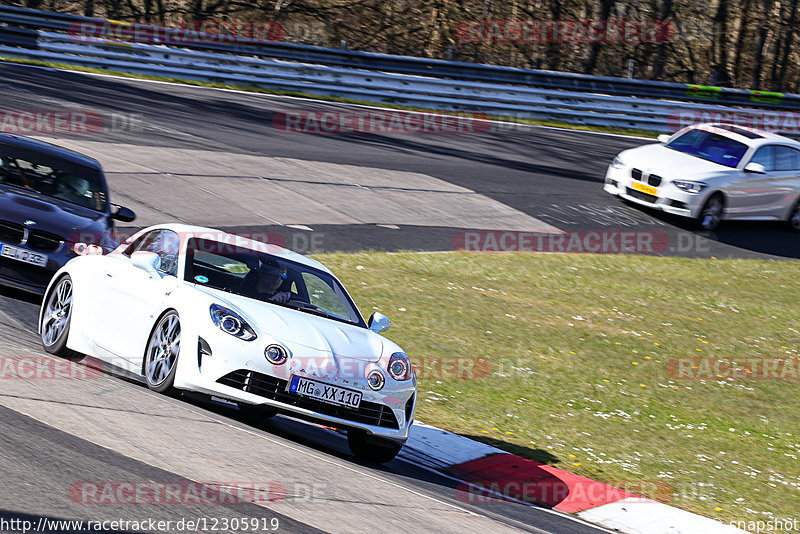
(671, 164)
(50, 215)
(300, 329)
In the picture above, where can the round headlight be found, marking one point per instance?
(376, 380)
(276, 354)
(231, 324)
(399, 366)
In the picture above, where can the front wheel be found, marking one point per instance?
(711, 214)
(370, 449)
(57, 317)
(161, 356)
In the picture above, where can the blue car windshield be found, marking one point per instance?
(710, 146)
(53, 177)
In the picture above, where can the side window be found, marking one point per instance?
(142, 242)
(766, 157)
(165, 243)
(785, 158)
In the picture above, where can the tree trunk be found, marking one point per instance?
(720, 52)
(594, 51)
(661, 49)
(744, 22)
(761, 43)
(787, 47)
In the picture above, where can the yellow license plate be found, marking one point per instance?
(644, 188)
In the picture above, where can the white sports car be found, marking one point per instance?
(197, 309)
(711, 172)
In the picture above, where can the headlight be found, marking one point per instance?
(231, 323)
(400, 366)
(616, 163)
(690, 187)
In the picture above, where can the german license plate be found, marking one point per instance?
(25, 256)
(325, 392)
(644, 188)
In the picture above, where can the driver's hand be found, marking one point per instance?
(281, 298)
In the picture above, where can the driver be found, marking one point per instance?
(265, 280)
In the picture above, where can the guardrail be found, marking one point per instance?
(216, 62)
(443, 69)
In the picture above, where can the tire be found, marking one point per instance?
(256, 412)
(163, 350)
(56, 319)
(794, 218)
(711, 214)
(372, 450)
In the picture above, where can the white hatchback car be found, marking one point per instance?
(711, 172)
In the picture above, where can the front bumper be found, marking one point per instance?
(237, 371)
(667, 198)
(29, 277)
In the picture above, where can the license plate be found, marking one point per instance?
(26, 256)
(325, 392)
(644, 188)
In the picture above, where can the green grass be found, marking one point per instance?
(343, 100)
(578, 347)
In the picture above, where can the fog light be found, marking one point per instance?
(276, 354)
(376, 380)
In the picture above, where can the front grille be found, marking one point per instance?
(654, 180)
(641, 196)
(11, 233)
(369, 413)
(636, 174)
(44, 241)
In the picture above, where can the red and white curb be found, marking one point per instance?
(490, 474)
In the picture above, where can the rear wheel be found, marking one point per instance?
(56, 319)
(711, 214)
(371, 449)
(794, 218)
(163, 349)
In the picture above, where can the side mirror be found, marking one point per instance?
(663, 138)
(146, 261)
(378, 322)
(755, 167)
(122, 214)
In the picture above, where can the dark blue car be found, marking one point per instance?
(51, 199)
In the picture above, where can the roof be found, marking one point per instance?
(201, 232)
(34, 145)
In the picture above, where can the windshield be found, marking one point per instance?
(52, 177)
(710, 146)
(268, 278)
